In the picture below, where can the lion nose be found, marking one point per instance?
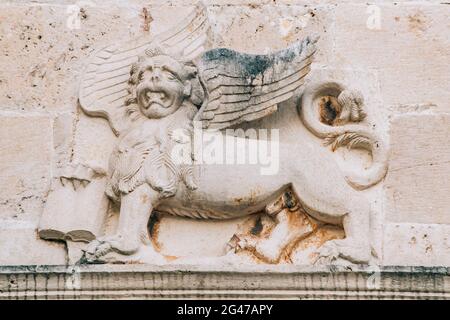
(156, 76)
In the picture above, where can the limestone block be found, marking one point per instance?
(418, 181)
(43, 47)
(410, 48)
(416, 244)
(25, 144)
(20, 245)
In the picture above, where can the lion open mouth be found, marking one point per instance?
(150, 97)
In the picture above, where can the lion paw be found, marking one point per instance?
(346, 249)
(79, 175)
(97, 250)
(327, 254)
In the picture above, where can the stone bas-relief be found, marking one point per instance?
(161, 97)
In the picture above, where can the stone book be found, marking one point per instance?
(80, 216)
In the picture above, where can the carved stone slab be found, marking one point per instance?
(174, 102)
(284, 146)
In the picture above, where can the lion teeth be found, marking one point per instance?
(158, 95)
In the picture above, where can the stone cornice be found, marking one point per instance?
(168, 282)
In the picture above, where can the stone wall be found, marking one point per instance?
(404, 46)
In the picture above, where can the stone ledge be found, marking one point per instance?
(194, 282)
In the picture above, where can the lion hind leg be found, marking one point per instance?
(355, 247)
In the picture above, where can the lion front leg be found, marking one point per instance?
(135, 210)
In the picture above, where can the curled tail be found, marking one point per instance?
(331, 112)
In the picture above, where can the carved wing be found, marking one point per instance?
(242, 87)
(104, 86)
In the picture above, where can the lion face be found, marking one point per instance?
(163, 84)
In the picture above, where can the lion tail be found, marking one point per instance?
(369, 177)
(350, 135)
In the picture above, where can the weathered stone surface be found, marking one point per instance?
(43, 47)
(26, 143)
(418, 179)
(184, 245)
(20, 245)
(290, 282)
(417, 244)
(63, 139)
(410, 48)
(266, 28)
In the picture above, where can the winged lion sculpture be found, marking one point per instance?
(157, 92)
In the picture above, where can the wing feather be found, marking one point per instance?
(243, 87)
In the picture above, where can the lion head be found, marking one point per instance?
(160, 83)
